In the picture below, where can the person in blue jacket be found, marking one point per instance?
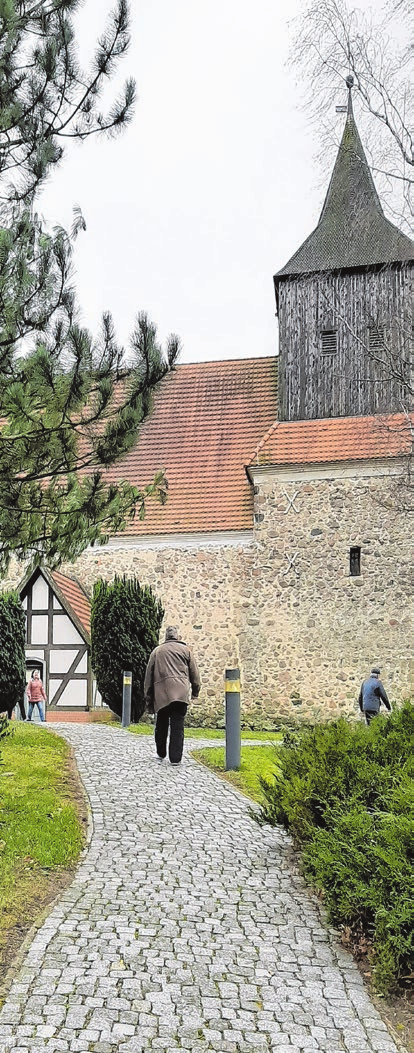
(371, 694)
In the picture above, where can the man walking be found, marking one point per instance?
(171, 671)
(371, 694)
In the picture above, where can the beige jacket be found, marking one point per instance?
(171, 671)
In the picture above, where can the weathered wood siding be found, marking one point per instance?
(354, 381)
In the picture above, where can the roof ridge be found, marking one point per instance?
(225, 361)
(374, 417)
(266, 436)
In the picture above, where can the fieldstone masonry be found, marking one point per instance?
(318, 629)
(283, 605)
(204, 592)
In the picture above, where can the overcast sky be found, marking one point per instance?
(210, 190)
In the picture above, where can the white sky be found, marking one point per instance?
(211, 189)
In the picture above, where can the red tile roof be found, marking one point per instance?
(207, 418)
(76, 600)
(334, 439)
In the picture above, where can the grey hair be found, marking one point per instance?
(171, 633)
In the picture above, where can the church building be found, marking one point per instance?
(284, 547)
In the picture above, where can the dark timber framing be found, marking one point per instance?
(48, 646)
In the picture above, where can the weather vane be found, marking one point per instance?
(349, 83)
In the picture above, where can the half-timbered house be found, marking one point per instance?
(58, 639)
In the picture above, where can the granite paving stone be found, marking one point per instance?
(187, 927)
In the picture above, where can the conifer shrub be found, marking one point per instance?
(125, 623)
(346, 793)
(12, 649)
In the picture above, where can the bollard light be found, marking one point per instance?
(233, 733)
(126, 699)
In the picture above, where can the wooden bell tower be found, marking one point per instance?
(345, 302)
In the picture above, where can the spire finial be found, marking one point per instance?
(350, 83)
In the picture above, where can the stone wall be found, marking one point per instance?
(318, 629)
(205, 592)
(284, 606)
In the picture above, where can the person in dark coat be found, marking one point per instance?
(171, 672)
(371, 694)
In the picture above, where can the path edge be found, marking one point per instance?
(19, 957)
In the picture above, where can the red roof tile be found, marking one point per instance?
(334, 439)
(207, 418)
(75, 598)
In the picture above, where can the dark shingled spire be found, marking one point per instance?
(352, 229)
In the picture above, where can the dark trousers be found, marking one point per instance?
(171, 718)
(21, 707)
(369, 714)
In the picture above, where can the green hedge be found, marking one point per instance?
(125, 623)
(12, 649)
(346, 793)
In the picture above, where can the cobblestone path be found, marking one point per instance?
(187, 927)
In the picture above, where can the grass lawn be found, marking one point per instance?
(255, 761)
(42, 822)
(211, 733)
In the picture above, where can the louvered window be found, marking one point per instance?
(329, 341)
(376, 337)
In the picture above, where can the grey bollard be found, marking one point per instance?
(126, 700)
(233, 736)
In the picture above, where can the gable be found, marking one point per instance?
(68, 598)
(75, 599)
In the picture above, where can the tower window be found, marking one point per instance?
(355, 561)
(329, 341)
(376, 337)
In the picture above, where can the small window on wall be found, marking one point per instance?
(329, 341)
(355, 561)
(376, 337)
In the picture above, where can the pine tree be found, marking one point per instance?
(68, 405)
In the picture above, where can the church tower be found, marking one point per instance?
(345, 302)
